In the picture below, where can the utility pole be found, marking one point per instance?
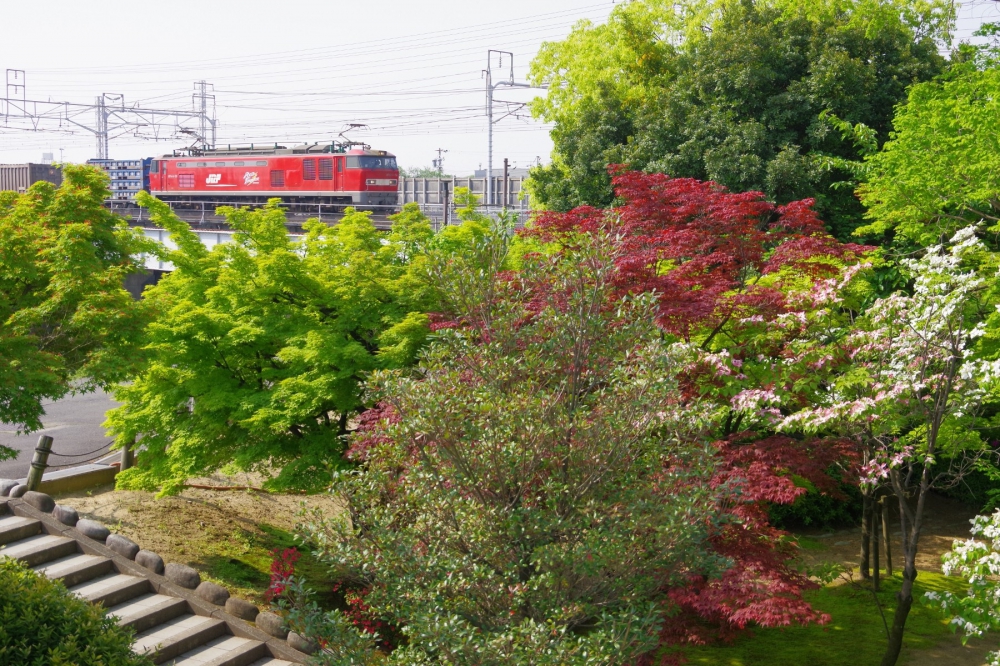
(200, 103)
(490, 87)
(439, 162)
(101, 133)
(506, 184)
(16, 85)
(444, 210)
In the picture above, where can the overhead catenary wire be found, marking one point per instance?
(470, 32)
(309, 93)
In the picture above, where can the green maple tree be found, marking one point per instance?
(66, 322)
(257, 355)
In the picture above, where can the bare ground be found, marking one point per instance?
(227, 535)
(947, 521)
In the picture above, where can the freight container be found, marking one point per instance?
(19, 177)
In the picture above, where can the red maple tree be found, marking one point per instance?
(701, 248)
(711, 257)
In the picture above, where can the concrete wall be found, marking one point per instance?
(431, 190)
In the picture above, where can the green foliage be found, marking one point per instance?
(534, 486)
(66, 322)
(731, 91)
(41, 624)
(423, 172)
(815, 509)
(941, 169)
(260, 346)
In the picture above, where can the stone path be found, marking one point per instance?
(172, 624)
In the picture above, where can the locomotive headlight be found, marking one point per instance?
(371, 181)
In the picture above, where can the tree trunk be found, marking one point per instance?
(887, 535)
(876, 529)
(910, 541)
(866, 532)
(905, 600)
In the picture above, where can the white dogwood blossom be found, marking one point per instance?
(978, 561)
(916, 352)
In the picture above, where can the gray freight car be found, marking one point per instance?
(19, 177)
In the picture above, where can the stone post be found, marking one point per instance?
(39, 462)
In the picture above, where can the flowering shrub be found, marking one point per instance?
(914, 391)
(978, 561)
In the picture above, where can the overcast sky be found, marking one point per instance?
(297, 70)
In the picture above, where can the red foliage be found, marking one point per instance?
(715, 243)
(364, 618)
(703, 250)
(282, 568)
(369, 431)
(761, 588)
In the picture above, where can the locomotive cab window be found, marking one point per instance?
(370, 162)
(154, 167)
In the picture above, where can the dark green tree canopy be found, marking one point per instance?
(731, 91)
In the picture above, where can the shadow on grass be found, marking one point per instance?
(243, 563)
(855, 636)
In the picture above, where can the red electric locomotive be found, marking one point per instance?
(332, 173)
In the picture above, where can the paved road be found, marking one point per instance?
(74, 424)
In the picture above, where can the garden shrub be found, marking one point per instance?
(42, 624)
(533, 487)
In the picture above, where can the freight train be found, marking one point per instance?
(309, 174)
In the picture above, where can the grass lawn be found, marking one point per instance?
(241, 561)
(855, 636)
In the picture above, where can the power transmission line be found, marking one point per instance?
(111, 117)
